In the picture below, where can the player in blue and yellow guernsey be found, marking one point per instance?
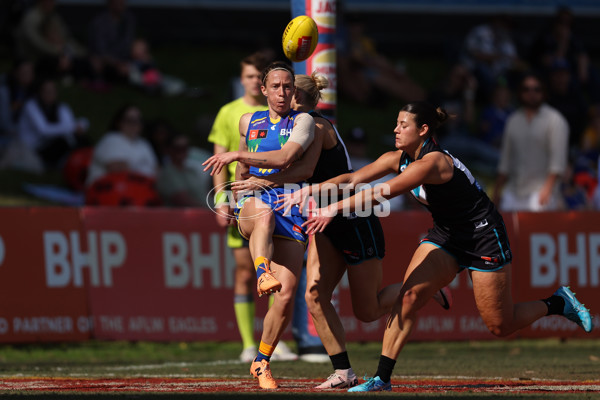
(270, 141)
(468, 234)
(225, 136)
(263, 135)
(351, 244)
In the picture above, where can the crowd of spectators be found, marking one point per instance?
(517, 93)
(39, 132)
(483, 89)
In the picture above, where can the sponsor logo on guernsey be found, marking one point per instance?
(257, 134)
(481, 224)
(297, 228)
(490, 260)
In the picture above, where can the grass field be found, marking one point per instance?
(536, 369)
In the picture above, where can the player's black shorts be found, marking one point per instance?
(483, 246)
(359, 238)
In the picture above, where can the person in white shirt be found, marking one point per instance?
(122, 148)
(48, 126)
(534, 153)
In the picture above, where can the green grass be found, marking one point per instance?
(522, 359)
(11, 187)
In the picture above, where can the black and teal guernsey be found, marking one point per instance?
(466, 222)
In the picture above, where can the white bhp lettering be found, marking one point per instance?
(553, 261)
(65, 260)
(185, 262)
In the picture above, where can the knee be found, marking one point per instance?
(499, 328)
(409, 299)
(265, 221)
(366, 315)
(245, 275)
(285, 298)
(311, 298)
(313, 301)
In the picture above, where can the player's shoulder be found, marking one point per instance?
(301, 116)
(319, 119)
(392, 155)
(391, 159)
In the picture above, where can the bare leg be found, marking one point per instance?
(286, 266)
(258, 223)
(325, 267)
(243, 300)
(492, 291)
(430, 269)
(244, 272)
(369, 301)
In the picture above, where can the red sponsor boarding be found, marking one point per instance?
(162, 274)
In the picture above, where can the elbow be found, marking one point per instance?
(305, 173)
(280, 164)
(284, 162)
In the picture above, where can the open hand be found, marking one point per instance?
(319, 219)
(287, 200)
(218, 161)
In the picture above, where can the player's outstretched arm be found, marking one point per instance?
(433, 168)
(384, 165)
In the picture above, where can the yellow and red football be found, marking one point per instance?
(300, 38)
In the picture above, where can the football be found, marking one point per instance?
(300, 38)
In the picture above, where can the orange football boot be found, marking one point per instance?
(262, 371)
(267, 283)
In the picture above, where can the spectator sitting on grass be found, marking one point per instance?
(47, 128)
(122, 148)
(181, 182)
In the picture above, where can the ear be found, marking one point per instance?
(424, 130)
(263, 89)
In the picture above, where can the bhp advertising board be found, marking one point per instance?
(161, 274)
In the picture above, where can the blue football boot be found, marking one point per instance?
(372, 385)
(574, 310)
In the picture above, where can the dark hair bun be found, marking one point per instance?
(442, 115)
